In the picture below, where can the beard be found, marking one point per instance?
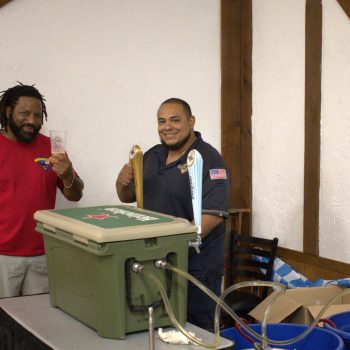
(178, 144)
(19, 132)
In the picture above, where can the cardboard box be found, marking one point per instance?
(302, 305)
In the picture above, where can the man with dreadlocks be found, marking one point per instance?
(29, 176)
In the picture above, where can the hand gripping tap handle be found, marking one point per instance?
(136, 157)
(195, 172)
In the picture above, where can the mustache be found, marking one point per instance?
(29, 125)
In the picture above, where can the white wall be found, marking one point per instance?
(104, 68)
(278, 120)
(335, 132)
(278, 125)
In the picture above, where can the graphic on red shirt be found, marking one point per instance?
(43, 163)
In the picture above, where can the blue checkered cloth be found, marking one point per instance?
(285, 274)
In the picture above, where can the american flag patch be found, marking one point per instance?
(218, 174)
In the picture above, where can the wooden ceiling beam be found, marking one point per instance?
(345, 5)
(4, 2)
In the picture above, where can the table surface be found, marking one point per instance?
(60, 331)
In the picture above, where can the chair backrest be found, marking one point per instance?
(244, 266)
(233, 223)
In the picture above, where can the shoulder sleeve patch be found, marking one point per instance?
(218, 174)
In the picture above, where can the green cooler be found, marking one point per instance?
(89, 254)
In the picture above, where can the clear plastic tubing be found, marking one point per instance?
(221, 304)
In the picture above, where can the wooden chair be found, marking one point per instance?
(235, 223)
(243, 266)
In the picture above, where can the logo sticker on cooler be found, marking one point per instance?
(98, 217)
(43, 163)
(116, 213)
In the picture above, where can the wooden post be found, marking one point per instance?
(236, 100)
(313, 60)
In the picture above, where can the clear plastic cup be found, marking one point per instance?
(58, 140)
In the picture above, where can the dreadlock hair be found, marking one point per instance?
(10, 97)
(183, 103)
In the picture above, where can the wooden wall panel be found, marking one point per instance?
(313, 61)
(231, 93)
(236, 100)
(246, 110)
(314, 267)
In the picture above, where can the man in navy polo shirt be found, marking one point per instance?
(167, 190)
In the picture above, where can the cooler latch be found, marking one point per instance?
(81, 239)
(49, 228)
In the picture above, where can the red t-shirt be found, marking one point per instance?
(27, 184)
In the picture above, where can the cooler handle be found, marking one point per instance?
(49, 228)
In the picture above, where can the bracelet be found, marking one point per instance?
(71, 184)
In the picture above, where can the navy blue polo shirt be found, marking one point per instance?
(167, 190)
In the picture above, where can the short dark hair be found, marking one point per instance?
(183, 103)
(10, 97)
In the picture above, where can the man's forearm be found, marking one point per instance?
(73, 191)
(209, 222)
